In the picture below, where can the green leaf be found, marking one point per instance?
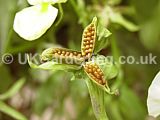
(102, 38)
(5, 76)
(110, 70)
(97, 99)
(13, 90)
(11, 112)
(50, 65)
(149, 32)
(115, 111)
(119, 19)
(53, 90)
(9, 6)
(107, 65)
(79, 7)
(73, 78)
(102, 32)
(77, 75)
(133, 102)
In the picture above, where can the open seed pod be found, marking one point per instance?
(88, 39)
(62, 55)
(95, 73)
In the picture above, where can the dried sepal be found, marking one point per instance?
(62, 55)
(88, 39)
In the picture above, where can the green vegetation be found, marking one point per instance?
(34, 90)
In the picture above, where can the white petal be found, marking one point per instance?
(36, 2)
(32, 22)
(153, 100)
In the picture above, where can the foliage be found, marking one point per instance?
(61, 94)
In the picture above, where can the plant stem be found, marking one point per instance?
(95, 1)
(97, 99)
(96, 94)
(77, 11)
(116, 55)
(61, 14)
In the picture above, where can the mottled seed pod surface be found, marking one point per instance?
(94, 72)
(88, 39)
(62, 55)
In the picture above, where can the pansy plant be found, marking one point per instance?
(32, 22)
(87, 63)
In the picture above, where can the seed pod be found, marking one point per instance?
(88, 39)
(62, 55)
(95, 73)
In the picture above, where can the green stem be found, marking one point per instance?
(95, 2)
(10, 31)
(97, 99)
(7, 45)
(74, 5)
(116, 55)
(11, 112)
(96, 94)
(61, 14)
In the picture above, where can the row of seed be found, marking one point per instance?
(88, 40)
(67, 53)
(95, 73)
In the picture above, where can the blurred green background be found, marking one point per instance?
(50, 95)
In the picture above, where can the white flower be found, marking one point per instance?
(153, 100)
(32, 22)
(35, 2)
